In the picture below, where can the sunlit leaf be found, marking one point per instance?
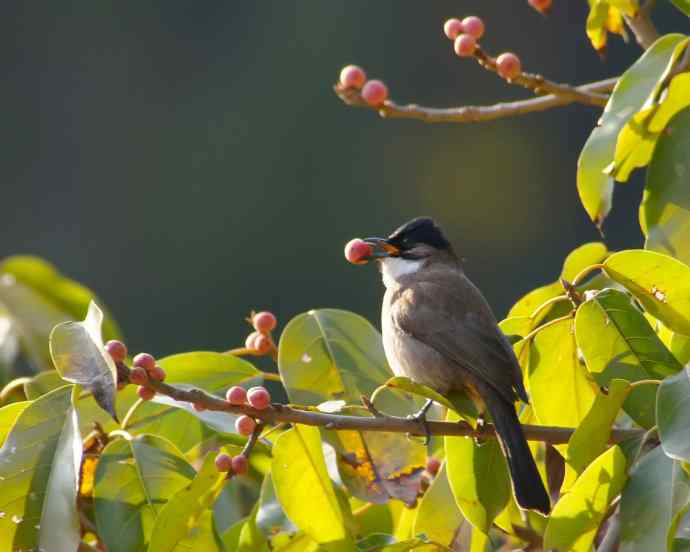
(134, 479)
(682, 5)
(39, 467)
(673, 415)
(389, 543)
(9, 415)
(406, 384)
(438, 517)
(575, 519)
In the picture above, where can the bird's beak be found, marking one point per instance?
(382, 248)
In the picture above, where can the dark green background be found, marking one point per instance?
(189, 160)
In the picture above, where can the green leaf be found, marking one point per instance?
(181, 523)
(304, 488)
(673, 415)
(478, 477)
(665, 207)
(617, 341)
(39, 471)
(271, 519)
(9, 415)
(438, 517)
(407, 385)
(682, 5)
(635, 85)
(575, 519)
(388, 543)
(134, 479)
(658, 488)
(79, 356)
(660, 283)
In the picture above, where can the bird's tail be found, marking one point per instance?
(527, 484)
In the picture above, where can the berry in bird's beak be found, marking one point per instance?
(357, 251)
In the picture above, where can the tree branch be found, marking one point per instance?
(641, 25)
(279, 413)
(471, 114)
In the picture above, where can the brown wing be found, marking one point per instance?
(452, 317)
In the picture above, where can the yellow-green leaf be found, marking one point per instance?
(673, 415)
(438, 517)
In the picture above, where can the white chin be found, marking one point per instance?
(395, 268)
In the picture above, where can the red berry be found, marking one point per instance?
(240, 464)
(473, 26)
(352, 76)
(144, 360)
(264, 322)
(198, 407)
(508, 65)
(542, 6)
(433, 465)
(223, 463)
(146, 393)
(157, 373)
(465, 45)
(262, 344)
(244, 425)
(358, 251)
(452, 28)
(236, 395)
(250, 342)
(375, 93)
(259, 398)
(138, 376)
(117, 350)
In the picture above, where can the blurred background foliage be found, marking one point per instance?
(190, 162)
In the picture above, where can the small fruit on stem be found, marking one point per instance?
(452, 28)
(198, 407)
(223, 462)
(375, 92)
(358, 251)
(145, 393)
(117, 350)
(157, 373)
(465, 45)
(542, 6)
(259, 398)
(236, 395)
(352, 76)
(262, 344)
(250, 342)
(508, 65)
(240, 464)
(145, 360)
(138, 376)
(264, 322)
(433, 465)
(244, 425)
(473, 26)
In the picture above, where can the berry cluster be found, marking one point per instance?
(256, 397)
(374, 92)
(259, 341)
(144, 369)
(234, 464)
(465, 35)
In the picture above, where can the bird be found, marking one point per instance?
(439, 330)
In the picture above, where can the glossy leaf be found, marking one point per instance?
(665, 207)
(575, 519)
(305, 490)
(8, 416)
(659, 282)
(79, 357)
(673, 415)
(607, 16)
(134, 479)
(478, 477)
(617, 341)
(635, 85)
(39, 471)
(658, 488)
(408, 386)
(271, 519)
(438, 517)
(682, 5)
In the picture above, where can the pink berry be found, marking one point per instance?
(240, 464)
(146, 393)
(250, 342)
(352, 76)
(117, 350)
(157, 373)
(244, 425)
(433, 465)
(145, 360)
(375, 92)
(542, 6)
(262, 344)
(473, 26)
(223, 463)
(452, 28)
(236, 395)
(465, 45)
(508, 65)
(259, 398)
(358, 251)
(198, 407)
(264, 322)
(138, 376)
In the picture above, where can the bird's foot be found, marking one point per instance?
(420, 418)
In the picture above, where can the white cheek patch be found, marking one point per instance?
(394, 268)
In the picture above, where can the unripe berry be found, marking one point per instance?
(250, 342)
(236, 395)
(259, 398)
(542, 6)
(138, 376)
(508, 65)
(433, 465)
(198, 407)
(375, 93)
(262, 344)
(452, 28)
(264, 322)
(473, 26)
(352, 76)
(240, 464)
(146, 393)
(244, 425)
(465, 45)
(223, 463)
(358, 251)
(117, 350)
(145, 360)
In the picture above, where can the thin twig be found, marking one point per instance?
(641, 25)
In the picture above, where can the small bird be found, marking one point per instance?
(439, 330)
